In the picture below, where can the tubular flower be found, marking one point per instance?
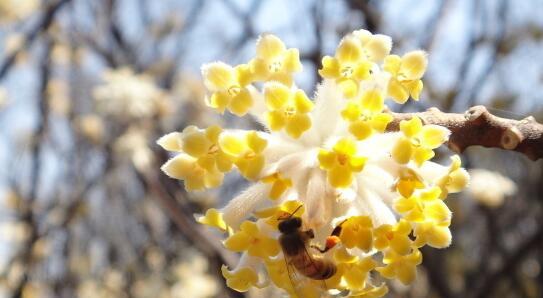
(366, 116)
(240, 280)
(406, 73)
(402, 267)
(252, 240)
(287, 109)
(213, 218)
(275, 214)
(418, 141)
(348, 67)
(228, 87)
(274, 62)
(341, 162)
(357, 232)
(279, 185)
(395, 237)
(201, 162)
(246, 152)
(367, 200)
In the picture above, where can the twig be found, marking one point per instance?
(478, 127)
(42, 26)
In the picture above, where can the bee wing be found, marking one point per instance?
(293, 275)
(324, 286)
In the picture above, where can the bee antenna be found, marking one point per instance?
(295, 210)
(291, 214)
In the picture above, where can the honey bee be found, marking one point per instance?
(294, 242)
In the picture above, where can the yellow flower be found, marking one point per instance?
(418, 141)
(395, 237)
(348, 67)
(374, 47)
(201, 162)
(408, 182)
(455, 180)
(213, 218)
(228, 87)
(275, 214)
(357, 231)
(365, 116)
(240, 280)
(432, 234)
(287, 109)
(273, 61)
(279, 185)
(406, 72)
(249, 238)
(185, 167)
(246, 152)
(355, 274)
(341, 162)
(402, 267)
(424, 206)
(370, 292)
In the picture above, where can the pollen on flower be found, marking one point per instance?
(358, 201)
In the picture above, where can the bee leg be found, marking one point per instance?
(310, 234)
(331, 240)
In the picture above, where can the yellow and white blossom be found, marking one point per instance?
(327, 160)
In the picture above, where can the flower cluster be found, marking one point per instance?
(126, 93)
(328, 161)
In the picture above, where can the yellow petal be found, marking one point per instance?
(195, 142)
(327, 159)
(357, 163)
(411, 127)
(340, 177)
(372, 101)
(219, 101)
(348, 51)
(291, 61)
(397, 91)
(458, 180)
(378, 47)
(360, 129)
(232, 145)
(330, 68)
(433, 136)
(414, 88)
(251, 168)
(269, 46)
(302, 103)
(380, 121)
(348, 87)
(276, 95)
(213, 179)
(241, 103)
(243, 74)
(255, 142)
(259, 69)
(420, 155)
(400, 244)
(414, 65)
(297, 125)
(180, 166)
(407, 274)
(345, 146)
(171, 141)
(392, 64)
(213, 218)
(276, 120)
(402, 151)
(223, 161)
(218, 76)
(362, 70)
(352, 111)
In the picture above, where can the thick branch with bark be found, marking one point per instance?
(478, 127)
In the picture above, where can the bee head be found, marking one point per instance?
(290, 225)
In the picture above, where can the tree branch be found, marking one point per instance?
(478, 127)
